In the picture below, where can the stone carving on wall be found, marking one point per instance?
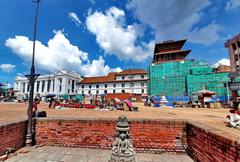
(122, 148)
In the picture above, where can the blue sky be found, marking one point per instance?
(94, 37)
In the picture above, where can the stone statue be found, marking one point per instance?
(122, 148)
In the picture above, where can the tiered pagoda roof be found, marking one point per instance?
(170, 51)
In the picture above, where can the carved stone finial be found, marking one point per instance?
(122, 148)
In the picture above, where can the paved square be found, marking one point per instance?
(67, 154)
(216, 118)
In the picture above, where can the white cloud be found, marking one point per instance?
(223, 61)
(7, 67)
(206, 35)
(98, 65)
(174, 19)
(59, 54)
(232, 5)
(73, 16)
(116, 38)
(92, 1)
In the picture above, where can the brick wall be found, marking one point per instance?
(147, 135)
(201, 142)
(204, 144)
(12, 136)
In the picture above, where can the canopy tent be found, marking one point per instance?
(205, 96)
(65, 96)
(204, 92)
(78, 97)
(3, 90)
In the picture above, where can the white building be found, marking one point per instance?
(127, 81)
(59, 83)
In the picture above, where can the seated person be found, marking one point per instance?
(34, 107)
(234, 117)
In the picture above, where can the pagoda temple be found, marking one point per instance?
(170, 51)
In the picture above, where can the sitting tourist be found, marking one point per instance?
(234, 117)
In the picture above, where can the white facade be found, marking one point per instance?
(59, 83)
(137, 84)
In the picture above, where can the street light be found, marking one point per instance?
(32, 78)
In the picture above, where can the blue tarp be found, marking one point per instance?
(185, 98)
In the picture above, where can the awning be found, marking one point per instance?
(204, 92)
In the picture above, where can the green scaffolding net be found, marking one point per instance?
(181, 78)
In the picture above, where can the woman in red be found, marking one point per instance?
(34, 107)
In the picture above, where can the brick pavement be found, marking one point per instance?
(216, 118)
(67, 154)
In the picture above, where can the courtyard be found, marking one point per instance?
(216, 118)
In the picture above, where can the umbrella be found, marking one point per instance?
(1, 85)
(50, 95)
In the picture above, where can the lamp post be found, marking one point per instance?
(32, 78)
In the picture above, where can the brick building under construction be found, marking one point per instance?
(174, 76)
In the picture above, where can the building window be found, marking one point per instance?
(105, 85)
(38, 84)
(238, 44)
(89, 92)
(69, 81)
(73, 84)
(131, 77)
(132, 84)
(114, 91)
(60, 88)
(123, 77)
(142, 76)
(123, 91)
(142, 84)
(97, 86)
(28, 87)
(105, 91)
(24, 87)
(90, 86)
(82, 86)
(97, 92)
(82, 92)
(43, 85)
(68, 90)
(76, 91)
(142, 90)
(53, 84)
(123, 85)
(48, 85)
(114, 85)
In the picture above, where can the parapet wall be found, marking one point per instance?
(207, 145)
(204, 144)
(12, 135)
(147, 135)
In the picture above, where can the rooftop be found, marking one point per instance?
(169, 45)
(111, 77)
(233, 40)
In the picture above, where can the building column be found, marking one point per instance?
(232, 58)
(45, 87)
(40, 87)
(26, 87)
(53, 85)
